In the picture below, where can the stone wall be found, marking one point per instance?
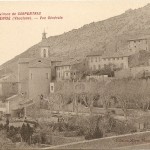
(8, 89)
(76, 87)
(108, 142)
(132, 72)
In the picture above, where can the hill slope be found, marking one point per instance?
(102, 36)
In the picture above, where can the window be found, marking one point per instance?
(91, 59)
(47, 75)
(52, 88)
(99, 59)
(59, 75)
(44, 52)
(66, 74)
(99, 66)
(94, 67)
(122, 65)
(96, 59)
(31, 76)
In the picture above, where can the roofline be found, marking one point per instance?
(114, 56)
(9, 82)
(11, 97)
(62, 65)
(93, 55)
(67, 64)
(108, 56)
(39, 67)
(138, 39)
(24, 62)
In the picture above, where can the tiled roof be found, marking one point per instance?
(26, 102)
(25, 60)
(44, 43)
(140, 38)
(56, 59)
(68, 63)
(116, 54)
(95, 53)
(11, 98)
(40, 63)
(9, 78)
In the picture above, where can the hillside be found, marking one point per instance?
(106, 35)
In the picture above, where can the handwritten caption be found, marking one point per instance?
(27, 16)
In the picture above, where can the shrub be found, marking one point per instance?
(36, 138)
(5, 143)
(1, 126)
(71, 133)
(123, 128)
(16, 138)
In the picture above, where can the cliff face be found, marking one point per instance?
(107, 35)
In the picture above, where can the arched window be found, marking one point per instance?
(44, 52)
(31, 76)
(47, 76)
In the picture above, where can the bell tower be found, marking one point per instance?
(44, 35)
(44, 46)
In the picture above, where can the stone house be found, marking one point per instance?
(99, 60)
(140, 43)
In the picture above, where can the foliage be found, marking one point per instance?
(127, 94)
(5, 143)
(123, 128)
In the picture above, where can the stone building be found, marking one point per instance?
(97, 61)
(70, 70)
(137, 44)
(35, 74)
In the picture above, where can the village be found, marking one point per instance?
(69, 98)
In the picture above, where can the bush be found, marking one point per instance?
(16, 138)
(71, 133)
(123, 128)
(36, 138)
(5, 143)
(97, 133)
(1, 126)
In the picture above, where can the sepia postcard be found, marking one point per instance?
(75, 75)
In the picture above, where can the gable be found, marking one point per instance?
(40, 63)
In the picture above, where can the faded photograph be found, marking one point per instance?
(75, 75)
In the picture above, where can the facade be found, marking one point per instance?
(135, 45)
(94, 62)
(39, 78)
(63, 72)
(70, 70)
(117, 61)
(99, 61)
(35, 74)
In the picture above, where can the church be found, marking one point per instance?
(32, 81)
(35, 74)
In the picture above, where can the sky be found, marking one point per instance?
(16, 36)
